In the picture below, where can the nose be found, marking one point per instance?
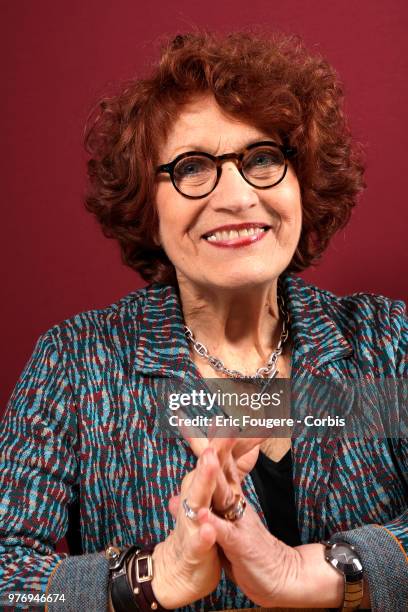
(233, 193)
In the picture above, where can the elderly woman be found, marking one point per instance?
(221, 174)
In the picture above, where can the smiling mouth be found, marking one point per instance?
(247, 234)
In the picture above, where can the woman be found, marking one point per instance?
(226, 170)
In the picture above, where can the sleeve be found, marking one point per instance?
(383, 549)
(38, 468)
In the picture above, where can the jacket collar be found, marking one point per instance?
(156, 328)
(148, 332)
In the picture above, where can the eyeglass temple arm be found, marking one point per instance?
(163, 168)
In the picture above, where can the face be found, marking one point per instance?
(265, 223)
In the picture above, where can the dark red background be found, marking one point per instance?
(58, 57)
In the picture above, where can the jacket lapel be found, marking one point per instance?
(148, 333)
(318, 341)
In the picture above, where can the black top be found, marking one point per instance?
(274, 487)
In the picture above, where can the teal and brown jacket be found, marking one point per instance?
(81, 428)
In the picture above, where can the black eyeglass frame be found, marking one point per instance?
(288, 153)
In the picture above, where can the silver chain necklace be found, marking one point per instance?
(267, 371)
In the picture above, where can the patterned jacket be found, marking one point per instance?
(81, 426)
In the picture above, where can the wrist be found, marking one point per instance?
(131, 575)
(322, 585)
(309, 581)
(110, 605)
(272, 576)
(161, 585)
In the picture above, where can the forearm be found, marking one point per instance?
(383, 553)
(84, 581)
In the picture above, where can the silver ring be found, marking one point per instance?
(235, 511)
(189, 512)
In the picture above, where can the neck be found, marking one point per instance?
(239, 326)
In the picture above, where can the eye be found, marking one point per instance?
(263, 159)
(193, 167)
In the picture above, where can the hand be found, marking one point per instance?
(262, 566)
(242, 453)
(268, 571)
(186, 564)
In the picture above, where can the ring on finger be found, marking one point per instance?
(233, 512)
(188, 511)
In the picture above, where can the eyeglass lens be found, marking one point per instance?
(262, 166)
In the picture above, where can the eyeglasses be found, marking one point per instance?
(196, 174)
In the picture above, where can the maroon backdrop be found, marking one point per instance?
(58, 57)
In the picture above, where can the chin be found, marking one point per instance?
(238, 275)
(241, 280)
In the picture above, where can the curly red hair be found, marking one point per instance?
(271, 82)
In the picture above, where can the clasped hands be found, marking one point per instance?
(188, 563)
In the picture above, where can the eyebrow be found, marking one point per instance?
(199, 148)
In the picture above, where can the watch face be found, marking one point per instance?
(344, 558)
(344, 554)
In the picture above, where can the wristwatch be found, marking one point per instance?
(344, 558)
(121, 592)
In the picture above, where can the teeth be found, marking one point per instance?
(230, 235)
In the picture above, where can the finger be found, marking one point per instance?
(202, 485)
(245, 445)
(197, 445)
(226, 485)
(242, 458)
(207, 537)
(228, 481)
(234, 448)
(223, 447)
(174, 504)
(224, 530)
(222, 431)
(224, 492)
(200, 542)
